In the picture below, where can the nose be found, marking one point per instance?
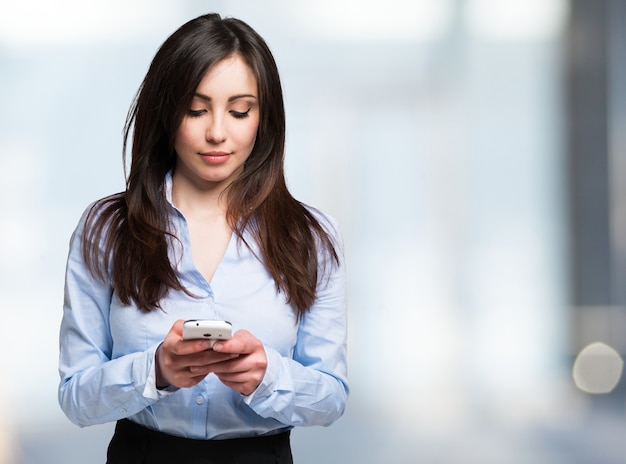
(216, 131)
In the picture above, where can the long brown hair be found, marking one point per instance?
(127, 234)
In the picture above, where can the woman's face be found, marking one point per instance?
(218, 132)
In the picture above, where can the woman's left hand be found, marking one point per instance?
(245, 372)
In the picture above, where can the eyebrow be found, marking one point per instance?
(230, 99)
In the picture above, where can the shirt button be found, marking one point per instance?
(210, 300)
(199, 400)
(123, 411)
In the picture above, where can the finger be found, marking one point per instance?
(177, 328)
(245, 387)
(188, 380)
(242, 342)
(175, 344)
(218, 366)
(205, 359)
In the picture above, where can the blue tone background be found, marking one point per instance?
(433, 130)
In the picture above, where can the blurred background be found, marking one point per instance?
(474, 154)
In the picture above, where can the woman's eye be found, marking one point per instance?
(239, 114)
(196, 113)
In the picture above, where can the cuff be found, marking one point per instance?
(268, 384)
(150, 390)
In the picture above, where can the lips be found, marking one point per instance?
(215, 157)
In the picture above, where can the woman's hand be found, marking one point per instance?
(184, 363)
(240, 363)
(246, 368)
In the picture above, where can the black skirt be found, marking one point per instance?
(134, 444)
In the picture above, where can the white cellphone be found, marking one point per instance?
(195, 329)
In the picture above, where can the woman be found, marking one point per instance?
(206, 229)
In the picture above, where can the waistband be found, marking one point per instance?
(132, 439)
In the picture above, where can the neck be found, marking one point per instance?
(207, 201)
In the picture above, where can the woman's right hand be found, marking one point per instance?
(175, 356)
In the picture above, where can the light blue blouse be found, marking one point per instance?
(107, 349)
